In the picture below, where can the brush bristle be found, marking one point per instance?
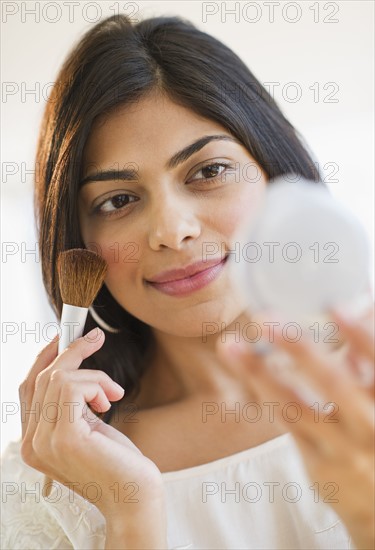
(81, 274)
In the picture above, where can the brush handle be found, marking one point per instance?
(73, 319)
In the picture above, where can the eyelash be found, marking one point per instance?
(97, 210)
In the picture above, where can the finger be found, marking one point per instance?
(72, 356)
(59, 379)
(363, 371)
(292, 355)
(72, 414)
(69, 359)
(50, 408)
(36, 444)
(27, 388)
(320, 373)
(284, 386)
(42, 361)
(74, 398)
(335, 386)
(46, 358)
(360, 338)
(112, 433)
(299, 409)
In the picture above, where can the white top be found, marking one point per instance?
(259, 498)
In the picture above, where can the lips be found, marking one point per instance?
(184, 272)
(187, 285)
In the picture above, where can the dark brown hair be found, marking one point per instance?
(118, 62)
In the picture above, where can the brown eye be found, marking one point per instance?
(115, 204)
(119, 200)
(211, 171)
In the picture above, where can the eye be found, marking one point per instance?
(211, 171)
(114, 204)
(119, 202)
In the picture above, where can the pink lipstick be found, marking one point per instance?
(178, 282)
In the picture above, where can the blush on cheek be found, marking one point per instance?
(119, 256)
(121, 280)
(243, 207)
(123, 265)
(115, 252)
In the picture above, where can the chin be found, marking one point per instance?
(200, 321)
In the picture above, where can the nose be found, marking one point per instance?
(173, 223)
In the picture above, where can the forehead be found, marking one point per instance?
(153, 126)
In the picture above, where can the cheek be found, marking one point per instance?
(123, 269)
(121, 254)
(119, 277)
(122, 258)
(240, 207)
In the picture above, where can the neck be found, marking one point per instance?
(184, 368)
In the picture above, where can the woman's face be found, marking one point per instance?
(164, 215)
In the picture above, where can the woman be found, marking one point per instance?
(146, 157)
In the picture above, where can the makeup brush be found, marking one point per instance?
(81, 273)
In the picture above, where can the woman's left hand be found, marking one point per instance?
(336, 438)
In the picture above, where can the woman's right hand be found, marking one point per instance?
(65, 440)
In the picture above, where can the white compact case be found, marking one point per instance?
(303, 253)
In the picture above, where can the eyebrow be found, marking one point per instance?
(178, 158)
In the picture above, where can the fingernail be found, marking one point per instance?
(354, 309)
(342, 312)
(94, 335)
(118, 386)
(263, 347)
(237, 349)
